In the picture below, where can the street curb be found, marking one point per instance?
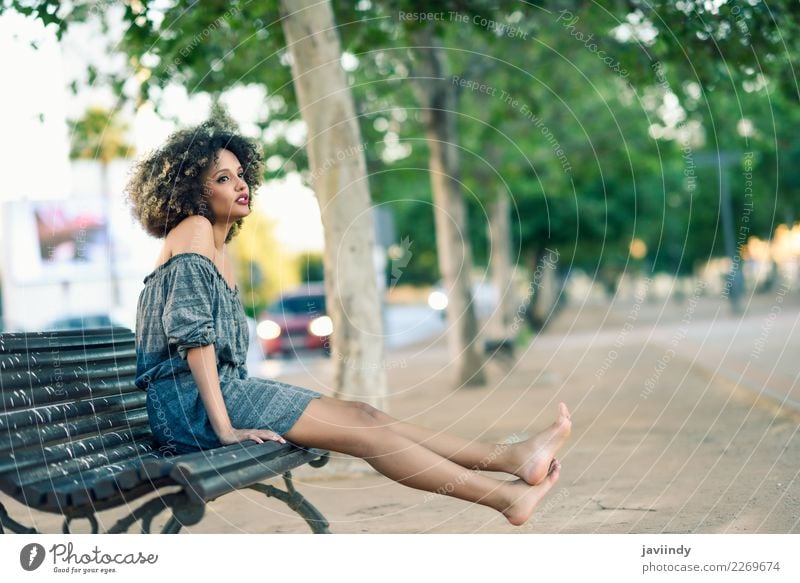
(745, 391)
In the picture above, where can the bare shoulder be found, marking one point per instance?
(193, 234)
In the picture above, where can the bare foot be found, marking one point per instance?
(532, 459)
(525, 497)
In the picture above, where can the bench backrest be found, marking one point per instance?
(69, 405)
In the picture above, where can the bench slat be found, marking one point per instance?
(209, 484)
(219, 459)
(55, 358)
(36, 456)
(22, 419)
(80, 477)
(23, 342)
(79, 489)
(82, 463)
(70, 430)
(98, 484)
(39, 396)
(207, 472)
(22, 378)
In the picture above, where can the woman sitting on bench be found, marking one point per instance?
(192, 339)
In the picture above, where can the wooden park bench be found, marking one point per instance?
(75, 440)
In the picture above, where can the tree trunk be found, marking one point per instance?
(545, 284)
(502, 272)
(112, 254)
(436, 94)
(339, 176)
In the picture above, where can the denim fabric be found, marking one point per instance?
(185, 303)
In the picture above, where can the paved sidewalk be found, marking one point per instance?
(670, 433)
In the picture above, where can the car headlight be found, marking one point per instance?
(322, 326)
(268, 330)
(437, 300)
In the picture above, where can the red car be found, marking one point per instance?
(296, 322)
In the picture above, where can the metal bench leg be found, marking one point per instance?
(297, 502)
(183, 513)
(90, 516)
(14, 526)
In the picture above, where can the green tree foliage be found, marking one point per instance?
(310, 267)
(591, 162)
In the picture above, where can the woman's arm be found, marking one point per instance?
(202, 363)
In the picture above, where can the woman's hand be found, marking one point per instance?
(257, 435)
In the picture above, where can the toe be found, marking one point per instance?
(553, 476)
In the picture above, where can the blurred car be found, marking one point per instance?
(83, 321)
(296, 322)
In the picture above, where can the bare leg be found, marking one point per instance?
(354, 431)
(530, 459)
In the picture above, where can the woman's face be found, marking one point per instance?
(228, 194)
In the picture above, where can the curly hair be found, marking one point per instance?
(166, 185)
